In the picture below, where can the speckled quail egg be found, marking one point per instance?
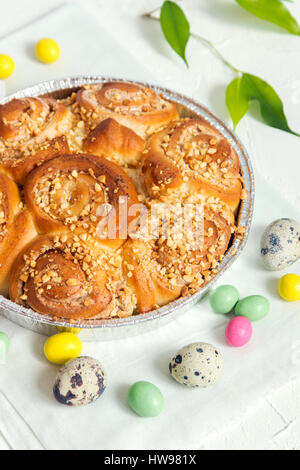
(80, 382)
(280, 244)
(197, 365)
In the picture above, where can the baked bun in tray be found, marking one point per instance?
(113, 201)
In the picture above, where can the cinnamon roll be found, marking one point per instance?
(122, 206)
(16, 228)
(31, 131)
(69, 276)
(182, 253)
(132, 105)
(191, 156)
(116, 142)
(26, 121)
(81, 193)
(19, 167)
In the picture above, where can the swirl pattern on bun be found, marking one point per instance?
(70, 276)
(192, 156)
(65, 193)
(95, 192)
(32, 130)
(16, 228)
(132, 105)
(26, 121)
(182, 253)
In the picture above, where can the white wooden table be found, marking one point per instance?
(255, 46)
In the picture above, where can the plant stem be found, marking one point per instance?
(203, 40)
(149, 15)
(215, 51)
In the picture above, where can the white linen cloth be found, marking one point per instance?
(30, 418)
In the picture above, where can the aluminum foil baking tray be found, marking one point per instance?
(100, 330)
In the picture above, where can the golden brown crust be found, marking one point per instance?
(116, 142)
(31, 131)
(21, 167)
(133, 106)
(67, 277)
(188, 156)
(160, 270)
(137, 266)
(66, 193)
(16, 228)
(26, 121)
(85, 163)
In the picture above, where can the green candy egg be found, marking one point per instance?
(224, 298)
(4, 344)
(253, 307)
(145, 399)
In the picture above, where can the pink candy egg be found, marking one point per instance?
(238, 332)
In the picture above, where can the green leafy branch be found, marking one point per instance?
(273, 11)
(246, 87)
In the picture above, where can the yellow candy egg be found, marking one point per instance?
(289, 287)
(62, 347)
(65, 329)
(47, 50)
(7, 66)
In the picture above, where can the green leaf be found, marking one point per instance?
(175, 27)
(272, 10)
(241, 91)
(237, 100)
(271, 107)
